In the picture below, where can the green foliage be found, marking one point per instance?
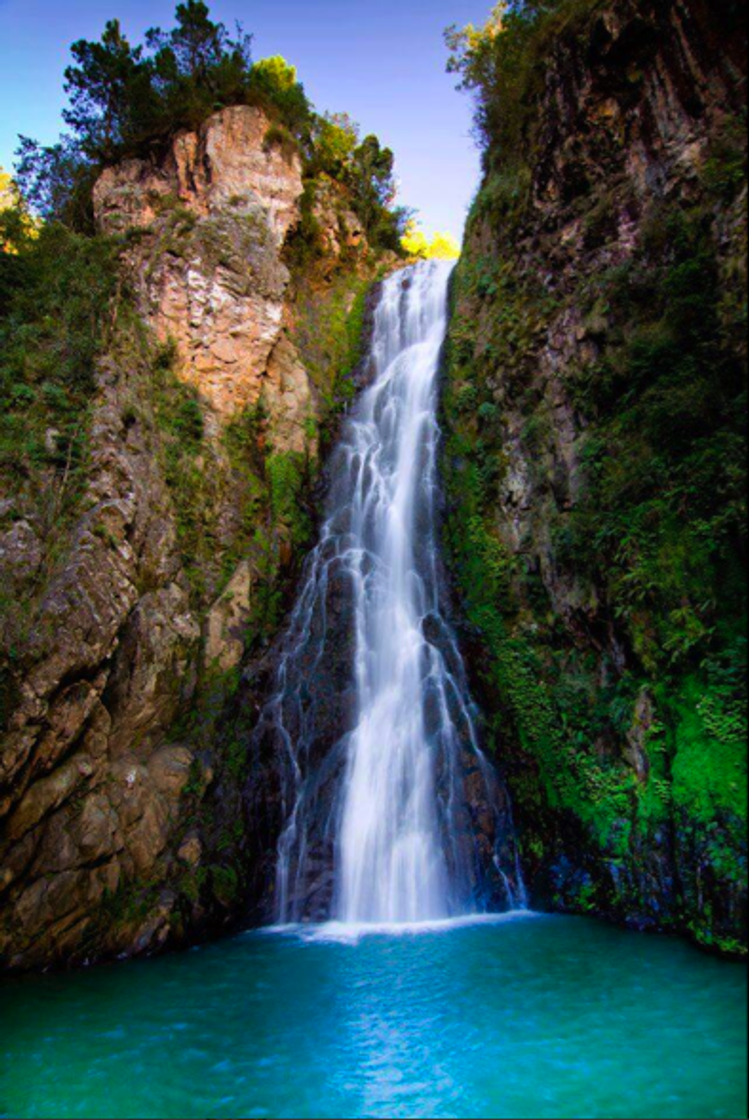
(195, 783)
(273, 86)
(279, 135)
(366, 170)
(267, 493)
(329, 334)
(56, 288)
(724, 170)
(571, 778)
(129, 903)
(59, 298)
(336, 138)
(192, 883)
(130, 100)
(236, 757)
(226, 883)
(196, 491)
(499, 63)
(665, 504)
(285, 471)
(709, 765)
(442, 247)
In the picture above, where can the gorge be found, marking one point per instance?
(374, 626)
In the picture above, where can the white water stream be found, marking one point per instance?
(392, 867)
(398, 817)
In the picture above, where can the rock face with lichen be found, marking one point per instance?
(597, 361)
(120, 782)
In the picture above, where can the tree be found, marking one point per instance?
(335, 137)
(492, 62)
(273, 84)
(17, 229)
(442, 247)
(127, 100)
(56, 180)
(197, 67)
(197, 48)
(8, 192)
(373, 180)
(414, 242)
(101, 89)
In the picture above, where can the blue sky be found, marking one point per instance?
(381, 61)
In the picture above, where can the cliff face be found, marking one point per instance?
(593, 406)
(214, 216)
(121, 803)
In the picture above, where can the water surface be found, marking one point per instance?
(529, 1017)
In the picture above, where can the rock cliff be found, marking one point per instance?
(121, 801)
(593, 403)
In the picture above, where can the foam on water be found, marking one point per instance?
(353, 932)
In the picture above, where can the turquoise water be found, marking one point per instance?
(534, 1017)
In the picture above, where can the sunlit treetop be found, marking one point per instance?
(16, 224)
(442, 247)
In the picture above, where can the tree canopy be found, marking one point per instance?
(128, 99)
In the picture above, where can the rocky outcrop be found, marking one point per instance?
(211, 219)
(341, 231)
(595, 356)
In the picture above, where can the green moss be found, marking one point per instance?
(724, 169)
(329, 335)
(192, 882)
(236, 756)
(195, 490)
(195, 784)
(226, 884)
(130, 902)
(278, 135)
(104, 534)
(286, 472)
(709, 764)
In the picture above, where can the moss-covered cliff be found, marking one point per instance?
(594, 453)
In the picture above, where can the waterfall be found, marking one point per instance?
(370, 709)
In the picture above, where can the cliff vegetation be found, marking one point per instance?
(595, 455)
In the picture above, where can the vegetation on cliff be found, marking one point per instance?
(596, 451)
(63, 285)
(127, 101)
(59, 294)
(148, 537)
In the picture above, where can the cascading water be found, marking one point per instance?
(390, 813)
(392, 867)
